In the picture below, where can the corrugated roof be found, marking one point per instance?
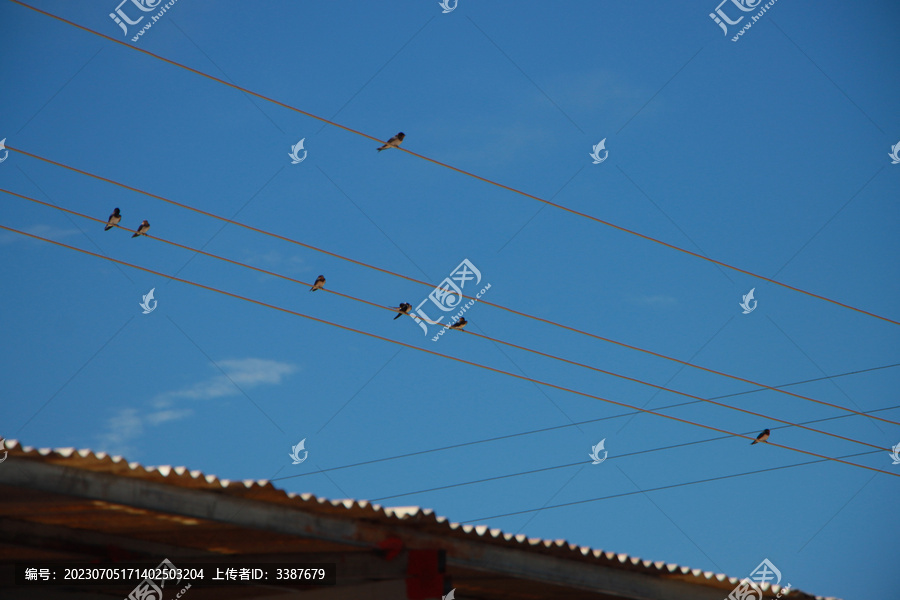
(422, 520)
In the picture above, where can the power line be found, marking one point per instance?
(432, 352)
(554, 428)
(575, 464)
(467, 173)
(366, 265)
(663, 487)
(495, 340)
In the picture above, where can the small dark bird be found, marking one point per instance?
(142, 230)
(403, 310)
(319, 284)
(459, 324)
(394, 142)
(114, 219)
(761, 437)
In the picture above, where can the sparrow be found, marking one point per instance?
(142, 230)
(404, 310)
(459, 324)
(319, 284)
(394, 142)
(761, 437)
(114, 219)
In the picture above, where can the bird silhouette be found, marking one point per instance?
(403, 310)
(761, 437)
(142, 230)
(394, 142)
(319, 284)
(459, 324)
(114, 219)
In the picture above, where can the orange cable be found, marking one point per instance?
(516, 312)
(460, 360)
(484, 179)
(489, 338)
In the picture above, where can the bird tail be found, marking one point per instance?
(107, 228)
(312, 289)
(398, 316)
(380, 149)
(753, 442)
(135, 235)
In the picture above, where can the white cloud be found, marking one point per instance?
(122, 428)
(126, 425)
(161, 416)
(246, 373)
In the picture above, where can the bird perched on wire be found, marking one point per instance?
(142, 230)
(460, 324)
(403, 309)
(394, 142)
(761, 437)
(114, 219)
(319, 284)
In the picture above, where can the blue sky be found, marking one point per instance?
(769, 153)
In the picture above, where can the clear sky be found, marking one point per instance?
(769, 153)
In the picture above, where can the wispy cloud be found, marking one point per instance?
(245, 372)
(127, 425)
(122, 428)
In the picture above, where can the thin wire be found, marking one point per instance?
(496, 340)
(432, 352)
(664, 487)
(458, 170)
(581, 462)
(360, 263)
(554, 428)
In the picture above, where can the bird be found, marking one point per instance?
(142, 230)
(114, 219)
(761, 437)
(394, 142)
(403, 309)
(319, 284)
(459, 324)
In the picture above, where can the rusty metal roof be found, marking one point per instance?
(164, 527)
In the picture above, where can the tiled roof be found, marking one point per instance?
(422, 520)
